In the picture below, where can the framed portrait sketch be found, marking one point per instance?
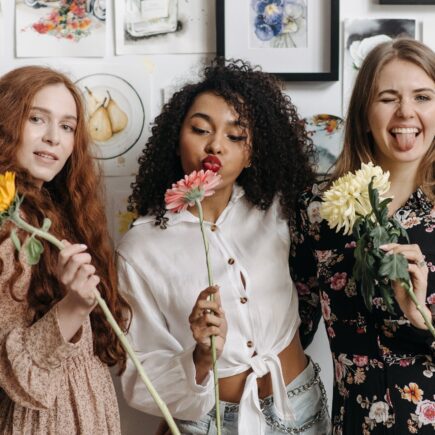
(407, 2)
(298, 40)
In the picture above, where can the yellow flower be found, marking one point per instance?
(348, 196)
(7, 190)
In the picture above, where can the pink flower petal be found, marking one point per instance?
(198, 183)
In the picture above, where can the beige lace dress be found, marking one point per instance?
(48, 386)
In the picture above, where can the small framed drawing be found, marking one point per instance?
(297, 40)
(407, 2)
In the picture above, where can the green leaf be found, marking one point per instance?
(374, 199)
(15, 240)
(379, 236)
(46, 225)
(394, 266)
(34, 249)
(387, 296)
(385, 202)
(356, 229)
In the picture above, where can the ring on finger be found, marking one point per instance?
(421, 263)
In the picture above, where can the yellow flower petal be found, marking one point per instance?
(7, 190)
(348, 196)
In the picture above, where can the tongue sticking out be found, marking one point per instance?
(405, 140)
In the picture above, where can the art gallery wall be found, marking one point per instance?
(155, 75)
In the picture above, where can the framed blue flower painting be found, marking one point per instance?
(298, 40)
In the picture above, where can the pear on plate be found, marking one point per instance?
(118, 118)
(92, 102)
(100, 128)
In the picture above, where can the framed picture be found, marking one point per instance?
(407, 2)
(297, 40)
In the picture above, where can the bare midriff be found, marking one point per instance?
(293, 362)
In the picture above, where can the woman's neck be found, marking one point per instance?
(213, 206)
(403, 181)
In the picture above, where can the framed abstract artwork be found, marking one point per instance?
(298, 40)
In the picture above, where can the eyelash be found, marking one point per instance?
(417, 97)
(66, 127)
(231, 137)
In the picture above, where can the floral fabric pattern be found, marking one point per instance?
(383, 366)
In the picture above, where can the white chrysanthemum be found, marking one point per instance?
(348, 196)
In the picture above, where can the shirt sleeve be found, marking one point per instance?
(303, 270)
(168, 365)
(30, 356)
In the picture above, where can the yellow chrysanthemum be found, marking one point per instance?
(7, 190)
(348, 196)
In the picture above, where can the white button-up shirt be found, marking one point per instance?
(162, 271)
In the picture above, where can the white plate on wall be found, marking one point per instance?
(128, 100)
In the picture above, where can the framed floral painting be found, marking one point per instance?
(298, 40)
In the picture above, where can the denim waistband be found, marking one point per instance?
(304, 381)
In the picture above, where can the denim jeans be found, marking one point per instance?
(309, 403)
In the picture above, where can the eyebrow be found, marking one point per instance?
(415, 91)
(208, 118)
(48, 112)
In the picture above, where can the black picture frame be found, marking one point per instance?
(407, 2)
(331, 42)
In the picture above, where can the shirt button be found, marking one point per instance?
(231, 261)
(249, 343)
(243, 300)
(213, 227)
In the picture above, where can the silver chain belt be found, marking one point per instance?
(319, 415)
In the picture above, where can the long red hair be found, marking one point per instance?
(73, 202)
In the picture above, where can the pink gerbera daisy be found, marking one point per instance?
(193, 187)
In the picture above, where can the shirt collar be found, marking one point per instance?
(186, 216)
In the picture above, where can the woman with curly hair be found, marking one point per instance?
(237, 122)
(55, 344)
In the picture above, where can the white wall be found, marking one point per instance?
(166, 70)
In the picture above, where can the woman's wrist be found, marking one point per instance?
(71, 316)
(417, 320)
(203, 363)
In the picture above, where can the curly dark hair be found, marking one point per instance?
(282, 154)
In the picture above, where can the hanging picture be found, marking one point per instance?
(165, 26)
(60, 28)
(298, 40)
(360, 36)
(429, 33)
(326, 132)
(117, 110)
(407, 2)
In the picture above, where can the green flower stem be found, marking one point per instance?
(409, 290)
(20, 223)
(213, 338)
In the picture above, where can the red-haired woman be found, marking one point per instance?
(55, 344)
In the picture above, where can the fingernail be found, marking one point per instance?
(386, 246)
(83, 246)
(216, 286)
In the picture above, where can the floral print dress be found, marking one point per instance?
(384, 367)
